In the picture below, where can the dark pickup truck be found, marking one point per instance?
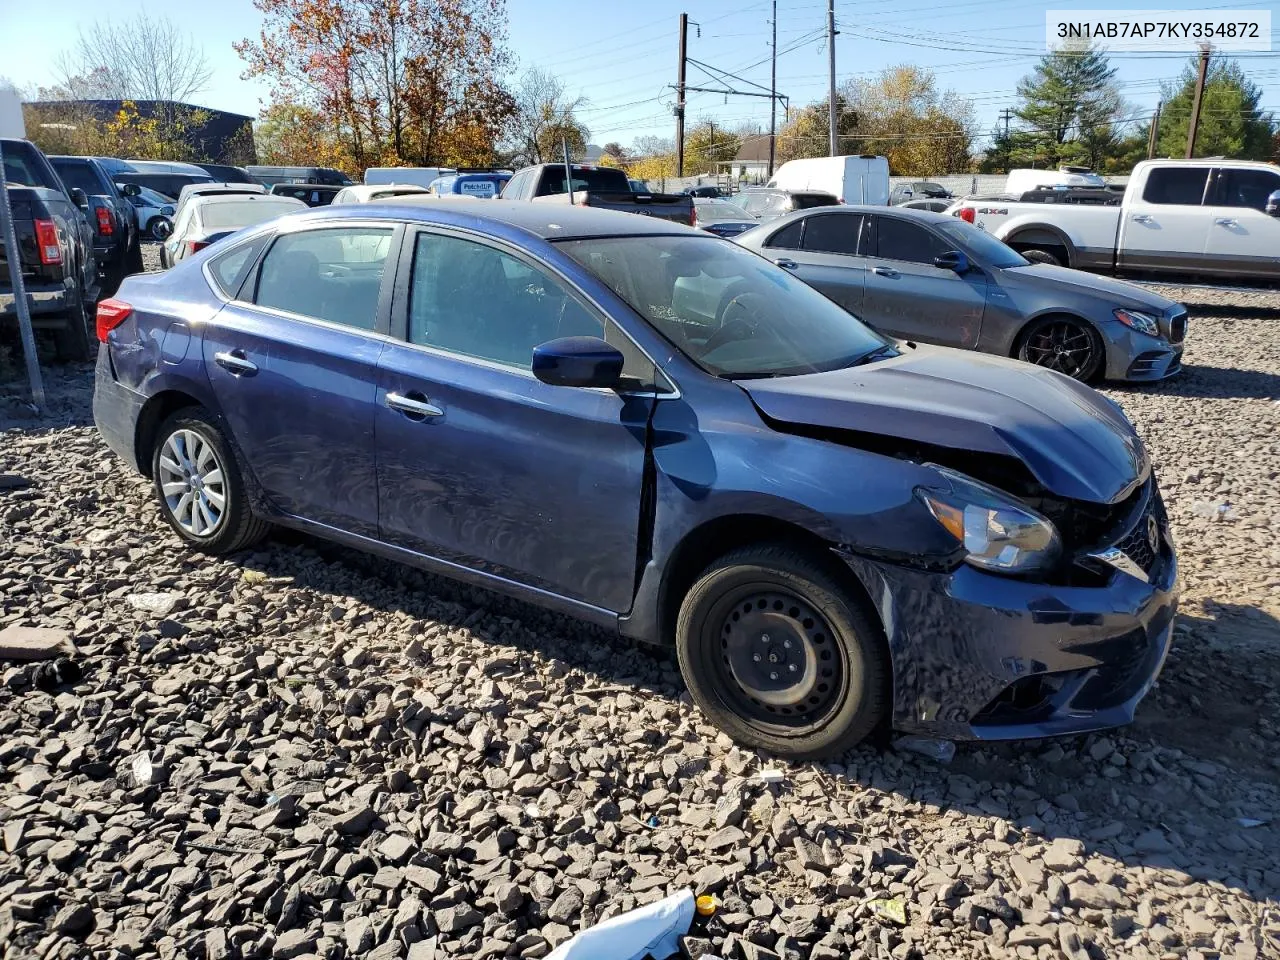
(55, 249)
(110, 214)
(605, 187)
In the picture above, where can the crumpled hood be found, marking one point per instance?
(1043, 276)
(1076, 443)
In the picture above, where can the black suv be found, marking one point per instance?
(112, 217)
(55, 249)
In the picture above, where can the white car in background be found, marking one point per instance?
(371, 192)
(207, 219)
(153, 209)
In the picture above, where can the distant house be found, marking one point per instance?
(220, 137)
(752, 160)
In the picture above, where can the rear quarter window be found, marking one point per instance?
(230, 269)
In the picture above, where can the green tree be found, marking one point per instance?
(708, 143)
(1231, 121)
(806, 133)
(1069, 105)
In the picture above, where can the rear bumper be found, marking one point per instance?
(116, 410)
(44, 299)
(978, 656)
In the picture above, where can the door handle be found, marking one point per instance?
(1226, 222)
(413, 407)
(1141, 218)
(884, 271)
(786, 264)
(235, 361)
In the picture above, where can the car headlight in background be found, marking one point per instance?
(1136, 320)
(997, 533)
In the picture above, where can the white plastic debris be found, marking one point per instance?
(1249, 822)
(650, 931)
(1212, 511)
(140, 764)
(940, 751)
(772, 776)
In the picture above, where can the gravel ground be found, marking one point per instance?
(306, 751)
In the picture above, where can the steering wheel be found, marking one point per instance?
(740, 320)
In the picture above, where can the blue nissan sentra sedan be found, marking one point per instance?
(640, 425)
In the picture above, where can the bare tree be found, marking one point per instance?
(144, 58)
(544, 114)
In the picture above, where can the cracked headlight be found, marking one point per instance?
(1136, 320)
(997, 533)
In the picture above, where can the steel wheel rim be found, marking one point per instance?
(192, 483)
(778, 659)
(1061, 345)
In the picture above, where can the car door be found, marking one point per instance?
(825, 255)
(1242, 238)
(293, 365)
(906, 296)
(1166, 227)
(482, 465)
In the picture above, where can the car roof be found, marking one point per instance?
(218, 199)
(546, 221)
(367, 189)
(842, 208)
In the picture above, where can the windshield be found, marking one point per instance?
(730, 311)
(986, 249)
(716, 211)
(242, 213)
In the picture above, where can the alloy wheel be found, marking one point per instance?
(1061, 345)
(192, 483)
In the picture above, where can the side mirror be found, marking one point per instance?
(130, 189)
(952, 260)
(1273, 204)
(163, 230)
(78, 198)
(577, 362)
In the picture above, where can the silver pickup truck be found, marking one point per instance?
(1175, 216)
(604, 187)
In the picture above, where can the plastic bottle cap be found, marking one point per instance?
(705, 905)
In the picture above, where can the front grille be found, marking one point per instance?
(1178, 327)
(1136, 544)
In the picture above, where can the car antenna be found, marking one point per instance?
(568, 169)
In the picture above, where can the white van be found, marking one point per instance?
(421, 176)
(11, 122)
(1024, 180)
(862, 179)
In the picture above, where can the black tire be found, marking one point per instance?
(151, 228)
(1059, 343)
(111, 280)
(135, 258)
(237, 527)
(1043, 256)
(838, 652)
(73, 342)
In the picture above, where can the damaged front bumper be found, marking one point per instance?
(977, 656)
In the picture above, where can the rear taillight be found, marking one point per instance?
(966, 214)
(105, 226)
(693, 218)
(111, 313)
(195, 246)
(47, 241)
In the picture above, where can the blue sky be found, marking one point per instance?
(624, 62)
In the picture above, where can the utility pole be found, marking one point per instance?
(711, 143)
(831, 78)
(684, 39)
(1154, 136)
(773, 91)
(21, 306)
(1195, 105)
(1006, 115)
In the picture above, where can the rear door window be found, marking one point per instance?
(333, 275)
(833, 233)
(79, 175)
(1246, 188)
(1176, 186)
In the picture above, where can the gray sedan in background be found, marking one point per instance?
(924, 276)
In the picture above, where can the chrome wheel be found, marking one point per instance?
(779, 659)
(192, 483)
(1062, 345)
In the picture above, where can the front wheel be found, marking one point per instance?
(1065, 344)
(1043, 256)
(780, 656)
(155, 227)
(199, 484)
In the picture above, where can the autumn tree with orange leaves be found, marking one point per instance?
(386, 82)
